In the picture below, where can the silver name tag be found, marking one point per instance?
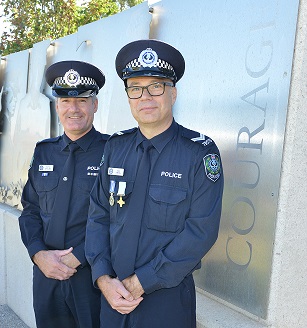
(116, 171)
(45, 168)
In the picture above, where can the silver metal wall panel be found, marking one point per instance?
(14, 86)
(235, 89)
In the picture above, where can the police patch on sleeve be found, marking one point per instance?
(212, 165)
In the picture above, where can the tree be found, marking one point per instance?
(31, 21)
(96, 9)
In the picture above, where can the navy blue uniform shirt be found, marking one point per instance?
(182, 208)
(40, 190)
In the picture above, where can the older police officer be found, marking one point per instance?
(56, 198)
(155, 207)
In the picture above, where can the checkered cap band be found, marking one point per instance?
(162, 64)
(60, 81)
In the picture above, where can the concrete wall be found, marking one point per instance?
(16, 267)
(288, 294)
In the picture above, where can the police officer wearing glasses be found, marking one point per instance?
(155, 207)
(56, 199)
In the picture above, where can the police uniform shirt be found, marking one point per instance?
(40, 190)
(182, 208)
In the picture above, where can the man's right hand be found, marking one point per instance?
(119, 298)
(49, 262)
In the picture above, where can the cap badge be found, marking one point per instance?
(72, 77)
(148, 58)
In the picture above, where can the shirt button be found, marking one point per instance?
(65, 179)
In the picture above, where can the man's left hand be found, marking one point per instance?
(133, 285)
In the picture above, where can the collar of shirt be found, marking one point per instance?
(161, 140)
(83, 142)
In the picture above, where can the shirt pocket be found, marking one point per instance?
(166, 208)
(46, 188)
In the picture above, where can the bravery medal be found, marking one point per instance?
(112, 188)
(121, 193)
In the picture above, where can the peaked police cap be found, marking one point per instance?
(73, 78)
(149, 58)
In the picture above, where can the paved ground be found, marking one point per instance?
(8, 318)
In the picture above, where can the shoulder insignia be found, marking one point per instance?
(212, 165)
(120, 133)
(204, 140)
(196, 136)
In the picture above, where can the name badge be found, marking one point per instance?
(45, 168)
(116, 171)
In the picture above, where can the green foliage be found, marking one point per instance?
(31, 21)
(95, 9)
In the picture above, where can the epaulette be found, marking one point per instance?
(48, 140)
(120, 133)
(196, 136)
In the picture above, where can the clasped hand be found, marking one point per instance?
(57, 264)
(123, 296)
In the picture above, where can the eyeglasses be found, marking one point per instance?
(154, 89)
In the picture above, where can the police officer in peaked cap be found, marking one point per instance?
(155, 207)
(55, 201)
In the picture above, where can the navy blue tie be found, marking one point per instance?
(124, 262)
(55, 236)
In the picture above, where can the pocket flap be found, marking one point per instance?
(46, 183)
(167, 194)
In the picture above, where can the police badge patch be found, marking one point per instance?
(212, 165)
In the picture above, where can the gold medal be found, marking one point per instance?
(121, 202)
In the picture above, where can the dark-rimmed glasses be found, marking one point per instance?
(154, 89)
